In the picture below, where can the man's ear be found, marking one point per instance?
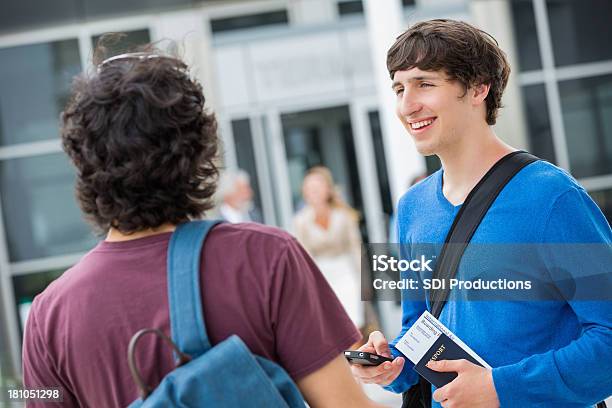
(479, 93)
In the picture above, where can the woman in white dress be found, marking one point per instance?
(328, 229)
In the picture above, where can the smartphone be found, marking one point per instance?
(365, 358)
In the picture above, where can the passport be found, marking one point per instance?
(429, 339)
(443, 349)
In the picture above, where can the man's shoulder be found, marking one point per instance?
(250, 232)
(51, 302)
(259, 251)
(250, 243)
(543, 171)
(544, 180)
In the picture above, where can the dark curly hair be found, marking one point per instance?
(142, 142)
(466, 53)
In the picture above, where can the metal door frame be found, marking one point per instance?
(271, 158)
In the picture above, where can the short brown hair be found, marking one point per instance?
(466, 53)
(143, 144)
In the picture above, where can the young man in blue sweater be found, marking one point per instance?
(449, 78)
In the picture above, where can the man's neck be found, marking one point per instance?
(466, 163)
(114, 235)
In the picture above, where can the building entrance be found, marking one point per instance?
(321, 137)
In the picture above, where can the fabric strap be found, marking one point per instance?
(469, 217)
(185, 303)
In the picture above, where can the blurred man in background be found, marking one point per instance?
(236, 196)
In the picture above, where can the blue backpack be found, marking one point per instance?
(226, 375)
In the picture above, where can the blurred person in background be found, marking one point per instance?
(145, 147)
(329, 230)
(236, 196)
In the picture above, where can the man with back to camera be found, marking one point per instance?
(145, 150)
(449, 78)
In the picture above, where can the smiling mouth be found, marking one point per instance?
(422, 124)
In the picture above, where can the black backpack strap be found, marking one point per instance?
(473, 210)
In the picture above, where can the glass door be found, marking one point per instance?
(277, 148)
(322, 137)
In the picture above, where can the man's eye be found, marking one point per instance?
(398, 91)
(425, 85)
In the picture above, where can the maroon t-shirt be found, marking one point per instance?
(256, 282)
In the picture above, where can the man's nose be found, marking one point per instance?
(408, 104)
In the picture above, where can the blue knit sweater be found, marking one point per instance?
(543, 353)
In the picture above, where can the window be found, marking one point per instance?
(245, 155)
(22, 15)
(322, 137)
(129, 43)
(580, 30)
(6, 371)
(603, 198)
(381, 162)
(351, 7)
(582, 109)
(538, 122)
(35, 82)
(41, 216)
(587, 116)
(278, 17)
(28, 14)
(28, 286)
(106, 8)
(525, 31)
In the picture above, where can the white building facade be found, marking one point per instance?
(295, 83)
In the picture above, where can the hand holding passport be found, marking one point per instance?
(429, 340)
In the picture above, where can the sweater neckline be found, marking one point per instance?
(135, 243)
(440, 194)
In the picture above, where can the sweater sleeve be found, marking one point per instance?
(580, 373)
(411, 310)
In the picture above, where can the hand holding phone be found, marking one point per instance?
(383, 373)
(364, 358)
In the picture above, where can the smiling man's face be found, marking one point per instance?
(434, 109)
